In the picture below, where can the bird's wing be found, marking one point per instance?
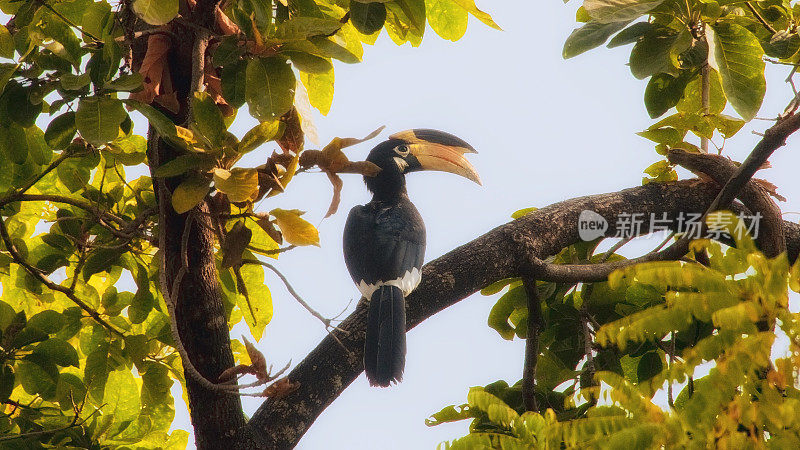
(383, 244)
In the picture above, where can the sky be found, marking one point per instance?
(546, 130)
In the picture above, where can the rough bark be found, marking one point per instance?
(498, 254)
(199, 308)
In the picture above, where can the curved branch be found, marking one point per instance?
(498, 254)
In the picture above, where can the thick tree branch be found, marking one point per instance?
(498, 254)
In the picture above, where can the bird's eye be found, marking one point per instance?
(401, 150)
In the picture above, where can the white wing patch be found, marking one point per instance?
(407, 283)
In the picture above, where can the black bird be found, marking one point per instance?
(384, 241)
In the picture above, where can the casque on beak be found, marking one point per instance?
(437, 150)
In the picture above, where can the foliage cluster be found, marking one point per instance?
(610, 347)
(83, 362)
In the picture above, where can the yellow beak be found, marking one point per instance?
(437, 150)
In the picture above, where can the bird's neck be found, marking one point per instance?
(387, 187)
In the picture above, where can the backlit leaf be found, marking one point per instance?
(156, 12)
(739, 58)
(98, 119)
(238, 184)
(189, 193)
(295, 230)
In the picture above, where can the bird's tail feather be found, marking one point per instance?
(385, 345)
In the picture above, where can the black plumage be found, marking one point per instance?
(384, 241)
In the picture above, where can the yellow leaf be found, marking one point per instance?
(287, 176)
(295, 230)
(189, 193)
(239, 184)
(794, 276)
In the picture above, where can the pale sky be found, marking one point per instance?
(546, 130)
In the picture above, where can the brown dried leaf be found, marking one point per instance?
(259, 365)
(339, 143)
(269, 227)
(236, 241)
(771, 189)
(231, 372)
(225, 24)
(280, 388)
(155, 71)
(337, 193)
(292, 139)
(365, 168)
(214, 89)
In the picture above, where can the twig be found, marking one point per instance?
(54, 198)
(325, 321)
(67, 21)
(671, 353)
(44, 279)
(148, 32)
(759, 17)
(616, 247)
(535, 325)
(171, 298)
(75, 423)
(705, 98)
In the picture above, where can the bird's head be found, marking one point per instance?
(415, 150)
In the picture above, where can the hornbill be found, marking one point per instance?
(384, 241)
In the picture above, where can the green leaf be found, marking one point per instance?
(270, 88)
(207, 119)
(129, 150)
(320, 89)
(469, 5)
(739, 58)
(48, 321)
(121, 396)
(183, 164)
(609, 11)
(61, 130)
(331, 49)
(691, 100)
(630, 35)
(38, 377)
(6, 381)
(649, 366)
(666, 135)
(156, 12)
(14, 143)
(125, 83)
(260, 299)
(98, 119)
(40, 153)
(189, 193)
(305, 27)
(6, 44)
(309, 63)
(101, 260)
(58, 351)
(651, 55)
(259, 134)
(71, 82)
(234, 82)
(727, 125)
(589, 36)
(663, 91)
(238, 184)
(368, 18)
(447, 18)
(23, 110)
(415, 12)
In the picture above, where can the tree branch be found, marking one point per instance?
(44, 279)
(498, 254)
